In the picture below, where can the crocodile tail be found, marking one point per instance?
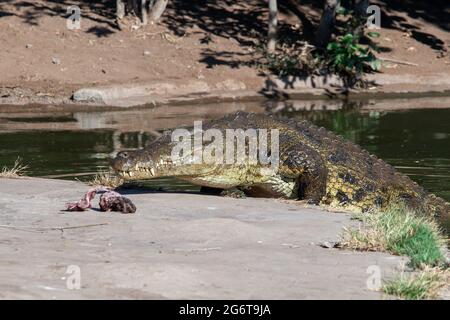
(440, 210)
(424, 204)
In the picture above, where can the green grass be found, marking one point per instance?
(399, 232)
(421, 246)
(424, 285)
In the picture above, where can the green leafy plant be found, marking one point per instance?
(345, 56)
(349, 59)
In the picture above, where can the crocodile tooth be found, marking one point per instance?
(152, 171)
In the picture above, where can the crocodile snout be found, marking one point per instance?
(120, 161)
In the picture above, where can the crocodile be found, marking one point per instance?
(314, 165)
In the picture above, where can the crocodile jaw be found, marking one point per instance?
(134, 165)
(137, 173)
(142, 165)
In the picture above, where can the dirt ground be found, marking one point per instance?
(205, 40)
(176, 246)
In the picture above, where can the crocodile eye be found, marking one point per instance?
(123, 154)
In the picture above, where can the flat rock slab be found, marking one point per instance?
(176, 246)
(128, 95)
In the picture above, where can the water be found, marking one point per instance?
(69, 143)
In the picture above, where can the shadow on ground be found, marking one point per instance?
(242, 21)
(31, 12)
(435, 12)
(229, 18)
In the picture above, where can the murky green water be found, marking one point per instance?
(74, 145)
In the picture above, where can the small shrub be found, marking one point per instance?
(349, 59)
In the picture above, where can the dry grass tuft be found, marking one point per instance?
(106, 179)
(425, 284)
(16, 171)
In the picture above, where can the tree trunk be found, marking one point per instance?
(327, 23)
(157, 9)
(273, 22)
(361, 7)
(120, 9)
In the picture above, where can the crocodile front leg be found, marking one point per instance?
(308, 169)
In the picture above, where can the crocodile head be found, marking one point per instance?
(134, 165)
(155, 161)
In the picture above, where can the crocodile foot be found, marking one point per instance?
(233, 193)
(229, 193)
